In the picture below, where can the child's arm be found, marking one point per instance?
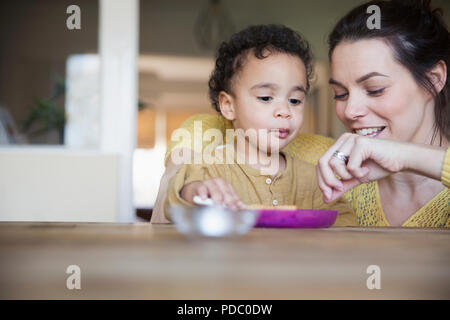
(197, 180)
(158, 208)
(217, 189)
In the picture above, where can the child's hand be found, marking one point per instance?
(218, 189)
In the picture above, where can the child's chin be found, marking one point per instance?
(280, 146)
(270, 149)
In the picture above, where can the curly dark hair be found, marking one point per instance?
(259, 39)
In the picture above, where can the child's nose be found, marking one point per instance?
(283, 110)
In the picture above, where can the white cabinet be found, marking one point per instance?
(58, 184)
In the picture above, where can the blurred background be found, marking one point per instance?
(89, 96)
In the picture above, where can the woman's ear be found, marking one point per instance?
(226, 104)
(438, 75)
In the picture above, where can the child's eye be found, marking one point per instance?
(340, 96)
(375, 92)
(295, 102)
(265, 98)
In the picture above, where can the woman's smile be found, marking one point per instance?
(371, 132)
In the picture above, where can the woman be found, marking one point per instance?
(382, 91)
(392, 94)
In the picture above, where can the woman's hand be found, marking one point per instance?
(218, 189)
(369, 159)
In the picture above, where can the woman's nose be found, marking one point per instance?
(355, 107)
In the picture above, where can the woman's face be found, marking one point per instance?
(376, 96)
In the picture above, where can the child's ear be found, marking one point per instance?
(226, 105)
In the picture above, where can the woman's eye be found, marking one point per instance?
(265, 98)
(295, 102)
(375, 92)
(340, 96)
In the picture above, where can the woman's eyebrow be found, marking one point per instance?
(332, 81)
(370, 75)
(359, 80)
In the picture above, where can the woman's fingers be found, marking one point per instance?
(326, 170)
(351, 173)
(329, 181)
(326, 190)
(348, 185)
(357, 156)
(339, 166)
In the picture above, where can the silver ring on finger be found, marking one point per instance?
(339, 155)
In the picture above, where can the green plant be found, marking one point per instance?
(47, 114)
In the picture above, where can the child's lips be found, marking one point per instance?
(282, 133)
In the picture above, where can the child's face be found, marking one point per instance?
(268, 94)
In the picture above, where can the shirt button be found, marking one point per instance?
(274, 202)
(268, 181)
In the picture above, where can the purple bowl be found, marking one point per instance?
(269, 218)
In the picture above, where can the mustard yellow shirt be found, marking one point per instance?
(364, 199)
(295, 185)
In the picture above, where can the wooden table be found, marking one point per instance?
(144, 261)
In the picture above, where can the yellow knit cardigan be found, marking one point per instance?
(364, 199)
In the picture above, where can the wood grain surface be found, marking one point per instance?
(144, 261)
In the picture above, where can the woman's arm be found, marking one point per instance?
(372, 159)
(426, 160)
